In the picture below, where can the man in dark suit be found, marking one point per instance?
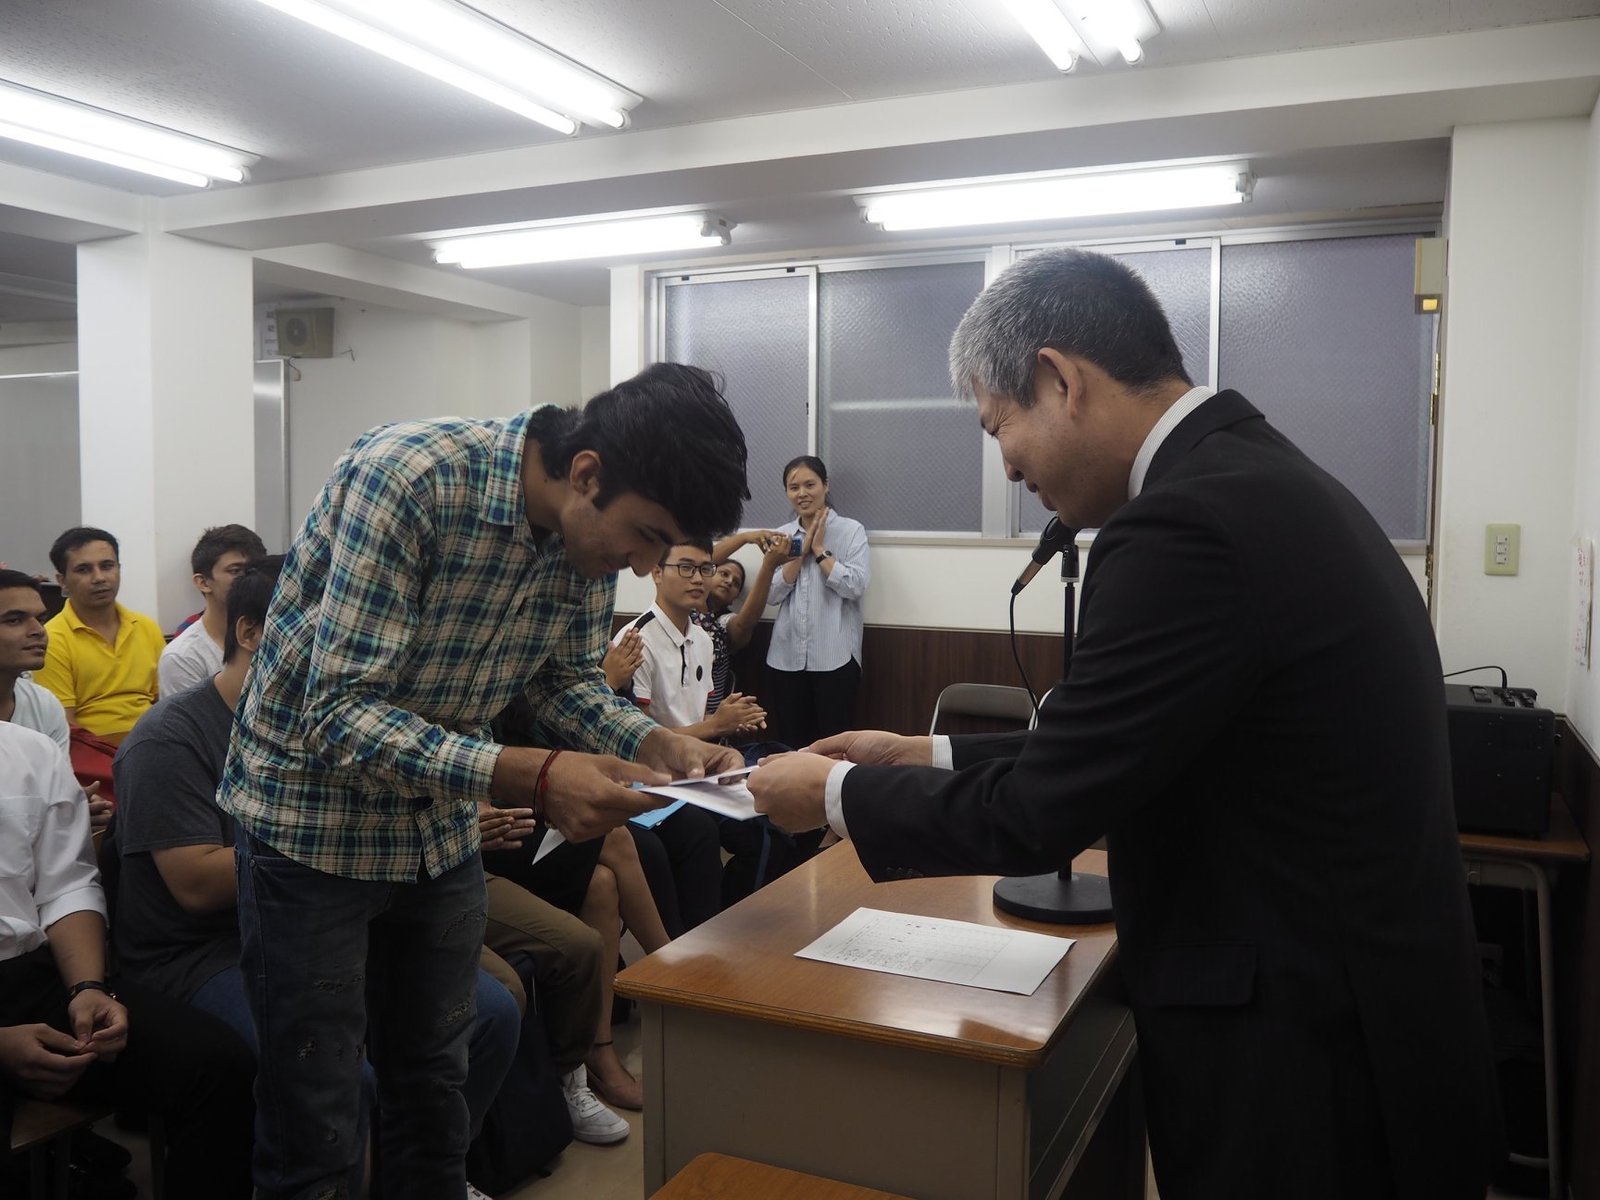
(1254, 721)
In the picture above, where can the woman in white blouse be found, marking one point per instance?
(814, 661)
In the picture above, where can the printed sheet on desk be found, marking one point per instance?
(983, 956)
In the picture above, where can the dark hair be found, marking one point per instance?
(79, 535)
(1073, 301)
(224, 539)
(698, 543)
(19, 579)
(667, 435)
(249, 598)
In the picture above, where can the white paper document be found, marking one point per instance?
(725, 799)
(1002, 960)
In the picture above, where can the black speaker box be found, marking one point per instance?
(1502, 752)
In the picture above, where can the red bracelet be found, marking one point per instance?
(541, 783)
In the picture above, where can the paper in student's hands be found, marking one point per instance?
(552, 838)
(719, 777)
(731, 799)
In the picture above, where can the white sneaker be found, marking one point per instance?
(474, 1194)
(592, 1121)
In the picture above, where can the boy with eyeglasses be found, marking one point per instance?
(673, 680)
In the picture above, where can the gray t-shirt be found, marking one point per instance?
(167, 772)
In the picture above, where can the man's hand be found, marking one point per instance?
(685, 757)
(99, 1022)
(587, 795)
(99, 810)
(874, 747)
(792, 789)
(44, 1062)
(739, 714)
(504, 828)
(622, 660)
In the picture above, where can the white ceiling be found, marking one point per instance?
(768, 111)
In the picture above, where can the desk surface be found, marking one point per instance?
(1563, 843)
(742, 963)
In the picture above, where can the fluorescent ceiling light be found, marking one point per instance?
(568, 240)
(1060, 197)
(455, 45)
(54, 123)
(1047, 26)
(1112, 27)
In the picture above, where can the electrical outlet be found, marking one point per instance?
(1502, 545)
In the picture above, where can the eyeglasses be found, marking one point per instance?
(688, 570)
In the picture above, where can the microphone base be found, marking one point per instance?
(1060, 898)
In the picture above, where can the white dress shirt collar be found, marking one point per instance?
(1181, 408)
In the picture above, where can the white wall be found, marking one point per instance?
(411, 365)
(1583, 683)
(1514, 219)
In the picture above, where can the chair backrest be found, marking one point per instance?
(992, 700)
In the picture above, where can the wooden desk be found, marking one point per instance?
(1530, 864)
(718, 1177)
(928, 1089)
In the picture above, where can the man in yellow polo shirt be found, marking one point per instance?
(101, 658)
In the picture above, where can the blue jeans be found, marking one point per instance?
(490, 1051)
(331, 964)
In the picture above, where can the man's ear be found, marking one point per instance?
(583, 474)
(1059, 377)
(204, 584)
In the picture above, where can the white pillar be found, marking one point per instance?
(165, 407)
(1508, 405)
(629, 305)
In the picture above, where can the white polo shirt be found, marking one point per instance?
(674, 680)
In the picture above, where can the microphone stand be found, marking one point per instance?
(1063, 897)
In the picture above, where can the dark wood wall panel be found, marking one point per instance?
(1577, 936)
(903, 669)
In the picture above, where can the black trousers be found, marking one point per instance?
(807, 705)
(682, 863)
(180, 1063)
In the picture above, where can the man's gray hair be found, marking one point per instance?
(1073, 301)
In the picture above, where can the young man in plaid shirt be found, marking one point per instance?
(446, 566)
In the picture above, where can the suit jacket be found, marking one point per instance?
(1254, 720)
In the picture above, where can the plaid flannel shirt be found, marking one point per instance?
(412, 606)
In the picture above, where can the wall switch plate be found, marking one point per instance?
(1502, 545)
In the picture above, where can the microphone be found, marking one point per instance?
(1055, 538)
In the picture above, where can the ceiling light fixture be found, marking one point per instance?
(1047, 26)
(456, 45)
(1066, 30)
(1060, 197)
(55, 123)
(588, 237)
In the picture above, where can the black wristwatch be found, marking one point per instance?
(823, 555)
(90, 985)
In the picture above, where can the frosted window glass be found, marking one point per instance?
(1181, 280)
(755, 333)
(902, 453)
(1322, 337)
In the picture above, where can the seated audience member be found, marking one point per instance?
(570, 971)
(177, 927)
(66, 1031)
(602, 883)
(731, 629)
(101, 658)
(22, 648)
(674, 683)
(195, 654)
